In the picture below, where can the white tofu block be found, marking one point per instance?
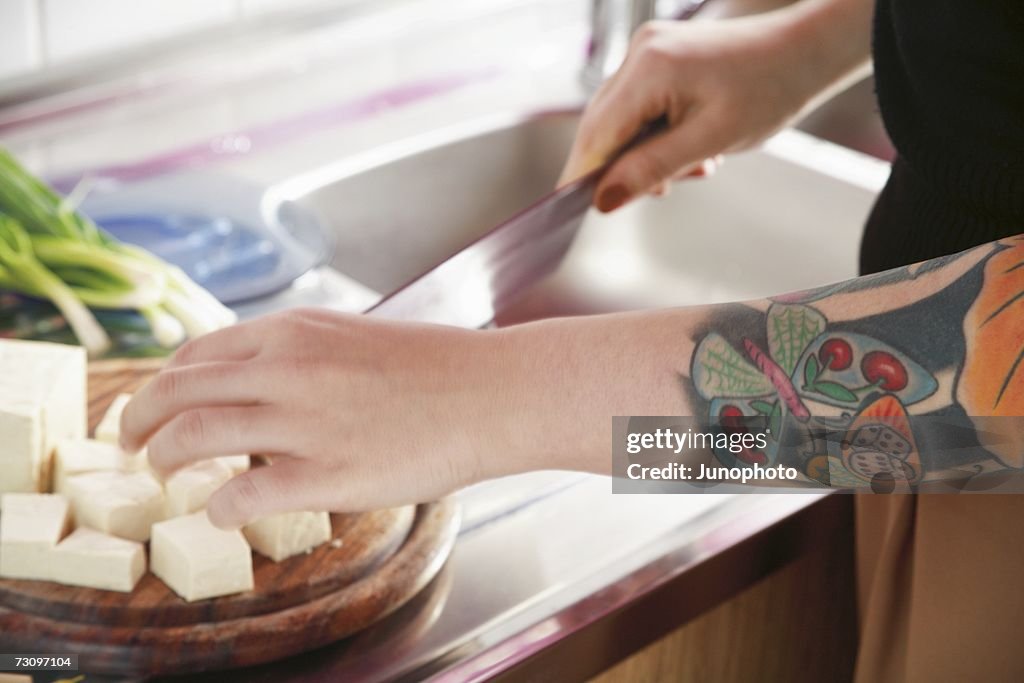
(122, 504)
(139, 462)
(96, 560)
(237, 463)
(80, 456)
(31, 525)
(282, 536)
(21, 432)
(199, 561)
(109, 428)
(189, 488)
(44, 382)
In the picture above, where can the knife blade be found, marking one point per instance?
(469, 288)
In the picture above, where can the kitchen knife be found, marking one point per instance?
(469, 288)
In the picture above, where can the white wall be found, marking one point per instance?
(36, 34)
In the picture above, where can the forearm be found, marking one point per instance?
(943, 339)
(834, 39)
(829, 44)
(361, 413)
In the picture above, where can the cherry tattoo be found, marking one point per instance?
(881, 368)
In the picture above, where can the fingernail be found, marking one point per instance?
(612, 198)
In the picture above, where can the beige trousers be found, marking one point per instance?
(941, 588)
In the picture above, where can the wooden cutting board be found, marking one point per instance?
(377, 562)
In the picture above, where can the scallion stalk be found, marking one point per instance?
(50, 250)
(22, 266)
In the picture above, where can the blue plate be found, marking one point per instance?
(216, 228)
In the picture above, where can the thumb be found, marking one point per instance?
(579, 165)
(619, 109)
(287, 485)
(660, 158)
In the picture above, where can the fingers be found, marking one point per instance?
(681, 150)
(238, 342)
(202, 433)
(285, 486)
(707, 169)
(178, 389)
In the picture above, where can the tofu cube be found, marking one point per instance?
(96, 560)
(292, 533)
(80, 456)
(31, 526)
(199, 561)
(190, 488)
(236, 463)
(123, 504)
(42, 400)
(21, 424)
(139, 462)
(109, 428)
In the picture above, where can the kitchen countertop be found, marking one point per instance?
(565, 582)
(545, 560)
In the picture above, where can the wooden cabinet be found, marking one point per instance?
(798, 624)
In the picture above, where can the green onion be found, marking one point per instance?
(22, 266)
(49, 250)
(167, 330)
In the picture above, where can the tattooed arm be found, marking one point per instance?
(913, 374)
(365, 413)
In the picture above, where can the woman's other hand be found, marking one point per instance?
(723, 86)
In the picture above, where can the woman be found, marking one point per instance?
(364, 413)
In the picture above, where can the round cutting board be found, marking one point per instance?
(377, 562)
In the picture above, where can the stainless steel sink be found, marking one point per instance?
(785, 217)
(402, 209)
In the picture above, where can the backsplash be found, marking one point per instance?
(39, 34)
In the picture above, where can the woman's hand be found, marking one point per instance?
(723, 86)
(358, 413)
(355, 413)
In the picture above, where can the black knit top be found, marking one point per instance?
(950, 82)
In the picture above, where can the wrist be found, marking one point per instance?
(568, 377)
(825, 44)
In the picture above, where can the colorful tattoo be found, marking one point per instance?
(886, 398)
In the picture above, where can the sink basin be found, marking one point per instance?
(784, 217)
(404, 208)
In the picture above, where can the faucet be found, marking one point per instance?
(612, 25)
